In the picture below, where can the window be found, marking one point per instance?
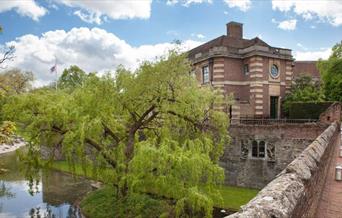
(205, 74)
(254, 149)
(261, 149)
(258, 149)
(274, 71)
(246, 69)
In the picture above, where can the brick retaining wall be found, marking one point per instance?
(287, 141)
(297, 189)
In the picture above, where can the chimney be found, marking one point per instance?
(234, 29)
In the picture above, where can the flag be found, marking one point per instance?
(53, 69)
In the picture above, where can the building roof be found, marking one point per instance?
(306, 67)
(229, 42)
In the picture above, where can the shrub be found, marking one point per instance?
(7, 130)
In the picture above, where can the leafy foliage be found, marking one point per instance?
(104, 203)
(72, 77)
(331, 71)
(15, 81)
(304, 89)
(154, 128)
(233, 196)
(7, 129)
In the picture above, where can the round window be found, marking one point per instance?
(274, 71)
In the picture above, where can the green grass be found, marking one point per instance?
(233, 196)
(103, 203)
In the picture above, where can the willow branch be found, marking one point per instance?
(100, 148)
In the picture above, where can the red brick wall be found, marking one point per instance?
(306, 67)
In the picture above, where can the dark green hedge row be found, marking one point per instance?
(307, 110)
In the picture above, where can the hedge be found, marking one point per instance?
(307, 110)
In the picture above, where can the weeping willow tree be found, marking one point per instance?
(153, 130)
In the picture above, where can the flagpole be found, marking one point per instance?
(56, 73)
(56, 80)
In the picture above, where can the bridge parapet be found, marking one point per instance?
(331, 114)
(296, 191)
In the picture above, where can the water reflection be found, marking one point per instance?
(54, 196)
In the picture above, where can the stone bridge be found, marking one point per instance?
(306, 187)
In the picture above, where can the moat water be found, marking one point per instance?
(54, 196)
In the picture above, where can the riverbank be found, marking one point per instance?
(17, 143)
(232, 196)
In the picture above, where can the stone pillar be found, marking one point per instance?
(218, 78)
(288, 76)
(256, 86)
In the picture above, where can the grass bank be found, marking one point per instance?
(103, 203)
(233, 196)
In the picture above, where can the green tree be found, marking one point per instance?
(72, 77)
(331, 71)
(7, 52)
(154, 130)
(15, 81)
(304, 89)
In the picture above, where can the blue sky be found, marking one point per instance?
(100, 35)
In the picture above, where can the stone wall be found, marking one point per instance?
(283, 143)
(331, 114)
(297, 189)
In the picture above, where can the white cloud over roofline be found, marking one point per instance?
(312, 55)
(243, 5)
(91, 49)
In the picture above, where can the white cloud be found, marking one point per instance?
(225, 12)
(89, 17)
(95, 11)
(91, 49)
(312, 55)
(28, 8)
(301, 46)
(171, 2)
(198, 35)
(243, 5)
(187, 3)
(288, 24)
(329, 10)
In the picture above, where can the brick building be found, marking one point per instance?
(308, 68)
(257, 74)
